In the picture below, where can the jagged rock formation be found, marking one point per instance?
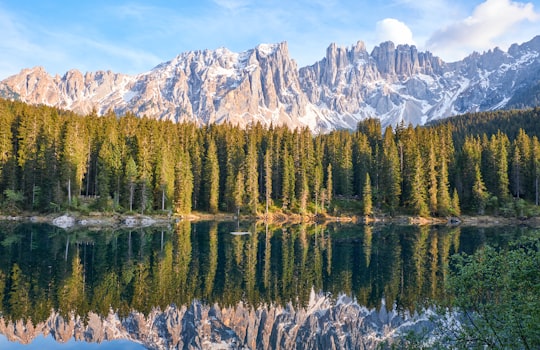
(393, 83)
(323, 324)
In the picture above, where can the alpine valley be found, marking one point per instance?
(393, 83)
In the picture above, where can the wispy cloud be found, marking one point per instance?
(231, 4)
(489, 22)
(26, 43)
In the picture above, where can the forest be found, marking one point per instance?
(53, 160)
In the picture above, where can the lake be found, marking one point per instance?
(197, 285)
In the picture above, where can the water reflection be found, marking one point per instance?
(43, 268)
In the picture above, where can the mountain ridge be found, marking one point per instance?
(395, 83)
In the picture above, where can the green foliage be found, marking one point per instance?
(368, 204)
(13, 200)
(57, 160)
(497, 293)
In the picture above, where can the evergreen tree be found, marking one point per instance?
(455, 209)
(479, 191)
(131, 176)
(239, 191)
(368, 205)
(252, 176)
(432, 180)
(329, 184)
(444, 201)
(268, 178)
(183, 188)
(535, 160)
(288, 182)
(391, 172)
(418, 189)
(211, 178)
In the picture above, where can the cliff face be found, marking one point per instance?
(393, 83)
(323, 324)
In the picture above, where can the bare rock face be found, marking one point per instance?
(264, 85)
(323, 324)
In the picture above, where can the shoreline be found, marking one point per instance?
(104, 220)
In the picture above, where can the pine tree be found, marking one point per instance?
(268, 178)
(455, 209)
(479, 191)
(366, 194)
(391, 172)
(288, 182)
(418, 196)
(252, 176)
(329, 184)
(239, 191)
(211, 178)
(432, 180)
(535, 160)
(444, 202)
(131, 176)
(183, 187)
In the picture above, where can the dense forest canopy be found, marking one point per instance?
(51, 160)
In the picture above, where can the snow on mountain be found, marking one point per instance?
(393, 83)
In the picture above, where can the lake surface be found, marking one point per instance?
(49, 276)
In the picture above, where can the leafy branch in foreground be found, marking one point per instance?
(496, 292)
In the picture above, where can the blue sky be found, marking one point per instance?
(134, 36)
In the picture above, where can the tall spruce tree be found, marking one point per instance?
(183, 186)
(211, 178)
(391, 172)
(252, 176)
(367, 200)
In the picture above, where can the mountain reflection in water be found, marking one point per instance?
(89, 276)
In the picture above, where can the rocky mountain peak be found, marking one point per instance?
(394, 83)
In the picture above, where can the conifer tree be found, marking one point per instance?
(418, 196)
(239, 191)
(535, 160)
(391, 172)
(252, 176)
(211, 178)
(444, 201)
(432, 180)
(329, 184)
(131, 176)
(456, 209)
(183, 188)
(479, 191)
(368, 205)
(268, 178)
(288, 182)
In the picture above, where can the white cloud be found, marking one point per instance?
(487, 27)
(232, 4)
(395, 31)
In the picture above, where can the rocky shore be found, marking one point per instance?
(69, 220)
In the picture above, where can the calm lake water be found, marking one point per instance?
(44, 268)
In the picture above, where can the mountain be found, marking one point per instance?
(324, 324)
(392, 83)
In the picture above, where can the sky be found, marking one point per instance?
(134, 36)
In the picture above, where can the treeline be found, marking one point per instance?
(52, 160)
(490, 123)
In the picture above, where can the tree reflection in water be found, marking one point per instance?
(44, 268)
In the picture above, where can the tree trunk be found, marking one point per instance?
(69, 192)
(162, 198)
(131, 190)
